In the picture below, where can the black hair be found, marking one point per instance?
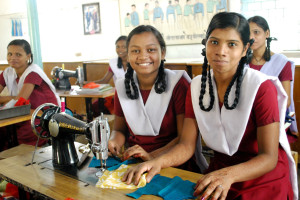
(224, 20)
(122, 37)
(262, 23)
(160, 83)
(25, 45)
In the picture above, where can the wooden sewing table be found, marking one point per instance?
(49, 184)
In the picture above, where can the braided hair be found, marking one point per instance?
(221, 21)
(122, 37)
(160, 83)
(262, 23)
(25, 45)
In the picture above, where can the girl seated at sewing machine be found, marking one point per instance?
(25, 79)
(149, 101)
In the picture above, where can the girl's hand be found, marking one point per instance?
(215, 185)
(113, 147)
(137, 151)
(133, 174)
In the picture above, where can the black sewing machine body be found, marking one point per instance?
(62, 128)
(61, 77)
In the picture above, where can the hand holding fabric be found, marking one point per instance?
(133, 174)
(137, 151)
(215, 184)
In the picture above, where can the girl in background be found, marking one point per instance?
(25, 79)
(117, 69)
(272, 64)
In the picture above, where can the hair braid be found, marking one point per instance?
(203, 87)
(119, 64)
(161, 84)
(267, 54)
(127, 81)
(238, 76)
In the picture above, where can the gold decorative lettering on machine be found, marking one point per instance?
(69, 126)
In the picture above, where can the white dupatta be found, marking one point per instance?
(223, 131)
(14, 88)
(118, 72)
(146, 119)
(273, 67)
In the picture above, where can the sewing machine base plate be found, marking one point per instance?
(84, 173)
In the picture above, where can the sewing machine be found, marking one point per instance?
(48, 122)
(61, 77)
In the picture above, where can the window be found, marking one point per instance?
(283, 17)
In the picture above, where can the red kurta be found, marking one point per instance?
(168, 130)
(274, 185)
(285, 74)
(40, 95)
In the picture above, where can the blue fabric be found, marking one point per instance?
(167, 188)
(156, 184)
(178, 189)
(126, 162)
(112, 163)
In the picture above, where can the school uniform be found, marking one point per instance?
(44, 92)
(151, 118)
(232, 134)
(109, 101)
(279, 66)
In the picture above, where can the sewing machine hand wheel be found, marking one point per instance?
(45, 112)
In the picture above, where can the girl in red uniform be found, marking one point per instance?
(117, 69)
(150, 100)
(27, 80)
(272, 64)
(239, 112)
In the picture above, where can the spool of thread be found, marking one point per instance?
(63, 104)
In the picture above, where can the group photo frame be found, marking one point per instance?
(179, 21)
(91, 18)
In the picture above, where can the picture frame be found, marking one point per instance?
(179, 21)
(91, 18)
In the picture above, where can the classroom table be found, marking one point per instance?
(50, 184)
(14, 120)
(11, 129)
(88, 99)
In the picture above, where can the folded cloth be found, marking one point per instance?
(178, 189)
(157, 183)
(167, 188)
(21, 102)
(91, 85)
(112, 163)
(113, 179)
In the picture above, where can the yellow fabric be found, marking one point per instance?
(113, 179)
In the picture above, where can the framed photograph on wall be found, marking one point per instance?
(91, 18)
(179, 21)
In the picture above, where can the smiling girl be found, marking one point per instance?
(27, 80)
(150, 100)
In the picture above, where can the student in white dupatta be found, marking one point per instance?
(273, 64)
(117, 69)
(239, 112)
(25, 79)
(150, 100)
